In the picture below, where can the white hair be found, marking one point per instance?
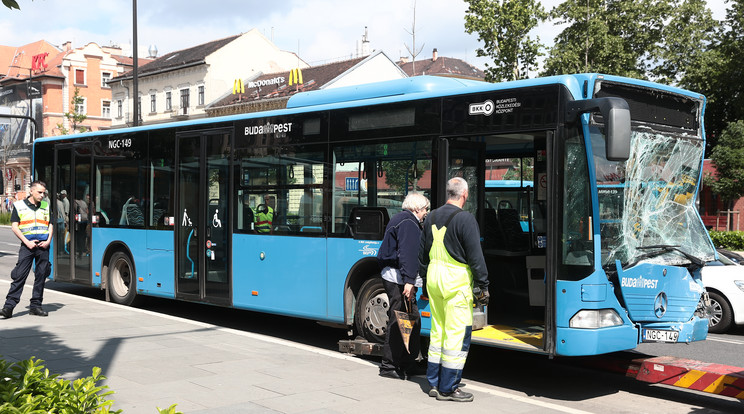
(415, 202)
(456, 187)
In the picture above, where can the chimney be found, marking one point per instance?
(67, 46)
(434, 55)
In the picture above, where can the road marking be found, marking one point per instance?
(728, 341)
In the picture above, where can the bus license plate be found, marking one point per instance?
(655, 335)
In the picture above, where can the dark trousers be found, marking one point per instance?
(394, 354)
(26, 258)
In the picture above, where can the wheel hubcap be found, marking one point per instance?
(375, 314)
(121, 278)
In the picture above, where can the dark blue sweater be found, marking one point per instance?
(400, 245)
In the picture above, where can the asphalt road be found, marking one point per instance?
(560, 381)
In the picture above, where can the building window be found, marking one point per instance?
(119, 109)
(200, 97)
(184, 101)
(168, 105)
(80, 107)
(105, 77)
(106, 109)
(153, 106)
(80, 76)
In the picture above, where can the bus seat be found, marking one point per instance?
(492, 236)
(368, 222)
(134, 216)
(516, 238)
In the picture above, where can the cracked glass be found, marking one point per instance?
(647, 203)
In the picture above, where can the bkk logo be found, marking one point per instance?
(483, 108)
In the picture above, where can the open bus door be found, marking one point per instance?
(511, 328)
(203, 219)
(72, 260)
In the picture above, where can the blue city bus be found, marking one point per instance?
(171, 210)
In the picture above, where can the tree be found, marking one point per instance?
(686, 37)
(11, 4)
(412, 50)
(615, 37)
(728, 158)
(503, 26)
(74, 117)
(717, 73)
(403, 175)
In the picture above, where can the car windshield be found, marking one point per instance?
(648, 201)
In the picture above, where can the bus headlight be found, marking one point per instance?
(739, 284)
(595, 318)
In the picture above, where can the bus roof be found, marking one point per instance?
(400, 90)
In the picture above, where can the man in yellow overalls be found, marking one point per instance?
(451, 258)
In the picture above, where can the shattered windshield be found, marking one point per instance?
(647, 204)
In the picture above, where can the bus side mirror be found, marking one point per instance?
(616, 115)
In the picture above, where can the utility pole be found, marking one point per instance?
(135, 62)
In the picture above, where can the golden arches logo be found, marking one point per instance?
(295, 77)
(238, 86)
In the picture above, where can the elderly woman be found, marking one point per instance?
(398, 259)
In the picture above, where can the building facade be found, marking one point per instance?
(39, 81)
(180, 85)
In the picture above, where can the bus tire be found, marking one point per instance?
(371, 316)
(721, 316)
(122, 281)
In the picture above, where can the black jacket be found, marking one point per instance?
(399, 248)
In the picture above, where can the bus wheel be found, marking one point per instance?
(371, 316)
(122, 283)
(721, 316)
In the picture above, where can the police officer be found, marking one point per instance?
(452, 260)
(31, 223)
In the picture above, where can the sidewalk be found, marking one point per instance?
(152, 360)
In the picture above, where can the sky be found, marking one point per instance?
(319, 31)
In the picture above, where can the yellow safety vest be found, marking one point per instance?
(264, 220)
(34, 224)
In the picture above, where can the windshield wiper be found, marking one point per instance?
(665, 248)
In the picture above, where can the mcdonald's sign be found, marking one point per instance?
(238, 86)
(295, 77)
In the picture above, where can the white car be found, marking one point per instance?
(724, 281)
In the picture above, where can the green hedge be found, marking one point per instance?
(5, 218)
(731, 240)
(27, 387)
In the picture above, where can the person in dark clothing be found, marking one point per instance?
(451, 258)
(398, 260)
(32, 224)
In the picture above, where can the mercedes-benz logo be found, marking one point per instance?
(660, 305)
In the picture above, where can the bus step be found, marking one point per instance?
(359, 346)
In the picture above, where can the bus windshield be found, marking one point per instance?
(647, 203)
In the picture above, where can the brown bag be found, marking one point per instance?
(406, 320)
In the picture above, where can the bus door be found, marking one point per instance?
(202, 217)
(72, 260)
(466, 160)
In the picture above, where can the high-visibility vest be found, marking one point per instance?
(34, 224)
(264, 220)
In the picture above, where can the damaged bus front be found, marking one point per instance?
(653, 241)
